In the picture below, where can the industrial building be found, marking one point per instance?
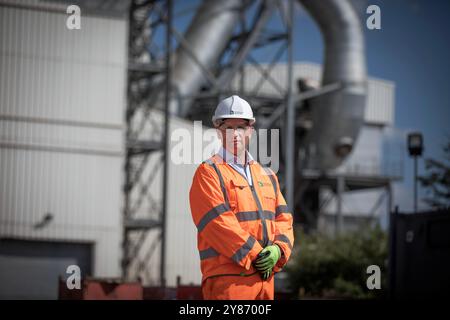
(83, 179)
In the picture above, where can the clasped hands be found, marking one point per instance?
(266, 260)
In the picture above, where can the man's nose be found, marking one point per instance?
(232, 132)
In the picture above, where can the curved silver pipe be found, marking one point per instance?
(206, 38)
(337, 116)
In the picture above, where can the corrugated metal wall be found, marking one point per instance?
(62, 95)
(380, 99)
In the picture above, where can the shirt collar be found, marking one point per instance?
(230, 158)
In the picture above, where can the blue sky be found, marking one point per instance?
(412, 49)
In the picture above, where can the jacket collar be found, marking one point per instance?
(231, 159)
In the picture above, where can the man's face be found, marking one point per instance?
(235, 135)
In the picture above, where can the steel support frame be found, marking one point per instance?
(145, 62)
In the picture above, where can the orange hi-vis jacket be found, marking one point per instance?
(234, 220)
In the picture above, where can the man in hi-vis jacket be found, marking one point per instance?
(244, 225)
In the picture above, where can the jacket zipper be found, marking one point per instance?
(258, 204)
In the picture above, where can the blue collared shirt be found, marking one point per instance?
(244, 170)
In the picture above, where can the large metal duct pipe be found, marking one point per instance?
(205, 40)
(337, 116)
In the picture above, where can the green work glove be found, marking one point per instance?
(266, 275)
(267, 259)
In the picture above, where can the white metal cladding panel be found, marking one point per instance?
(82, 192)
(278, 76)
(50, 71)
(79, 190)
(183, 257)
(360, 203)
(115, 9)
(308, 70)
(366, 157)
(380, 101)
(380, 105)
(252, 82)
(57, 137)
(34, 4)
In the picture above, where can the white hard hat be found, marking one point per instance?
(233, 107)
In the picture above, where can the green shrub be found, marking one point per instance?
(336, 267)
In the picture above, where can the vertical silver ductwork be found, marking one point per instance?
(206, 38)
(337, 116)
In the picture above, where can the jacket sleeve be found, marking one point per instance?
(284, 233)
(216, 222)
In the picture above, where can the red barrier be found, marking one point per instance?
(189, 293)
(101, 289)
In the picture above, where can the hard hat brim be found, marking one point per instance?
(233, 116)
